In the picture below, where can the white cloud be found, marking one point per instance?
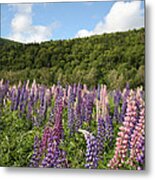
(84, 33)
(121, 17)
(22, 28)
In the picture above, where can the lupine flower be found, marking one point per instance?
(43, 106)
(82, 110)
(13, 97)
(3, 91)
(117, 98)
(35, 101)
(109, 128)
(52, 157)
(16, 103)
(102, 111)
(78, 112)
(92, 150)
(22, 98)
(137, 143)
(101, 105)
(101, 135)
(122, 142)
(30, 103)
(52, 152)
(34, 162)
(89, 107)
(62, 160)
(124, 104)
(44, 141)
(71, 113)
(25, 99)
(98, 92)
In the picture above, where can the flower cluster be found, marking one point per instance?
(101, 136)
(78, 111)
(137, 143)
(47, 153)
(92, 150)
(89, 101)
(103, 117)
(95, 110)
(34, 162)
(130, 144)
(3, 92)
(117, 99)
(124, 104)
(71, 110)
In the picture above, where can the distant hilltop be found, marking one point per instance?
(112, 59)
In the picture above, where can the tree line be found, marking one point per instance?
(113, 59)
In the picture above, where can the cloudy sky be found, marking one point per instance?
(46, 21)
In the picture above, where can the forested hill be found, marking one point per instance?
(113, 59)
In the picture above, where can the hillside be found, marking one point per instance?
(113, 59)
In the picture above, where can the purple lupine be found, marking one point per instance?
(98, 91)
(58, 110)
(34, 102)
(92, 150)
(54, 157)
(42, 111)
(42, 149)
(89, 107)
(25, 99)
(3, 91)
(65, 98)
(62, 160)
(30, 103)
(124, 103)
(52, 152)
(109, 128)
(16, 103)
(101, 134)
(83, 106)
(43, 105)
(117, 99)
(13, 97)
(49, 154)
(22, 98)
(44, 140)
(71, 101)
(34, 162)
(78, 115)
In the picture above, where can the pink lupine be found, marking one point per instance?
(137, 154)
(122, 143)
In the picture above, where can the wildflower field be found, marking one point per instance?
(71, 127)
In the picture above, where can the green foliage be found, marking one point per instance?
(112, 59)
(17, 139)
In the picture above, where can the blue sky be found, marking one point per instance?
(44, 21)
